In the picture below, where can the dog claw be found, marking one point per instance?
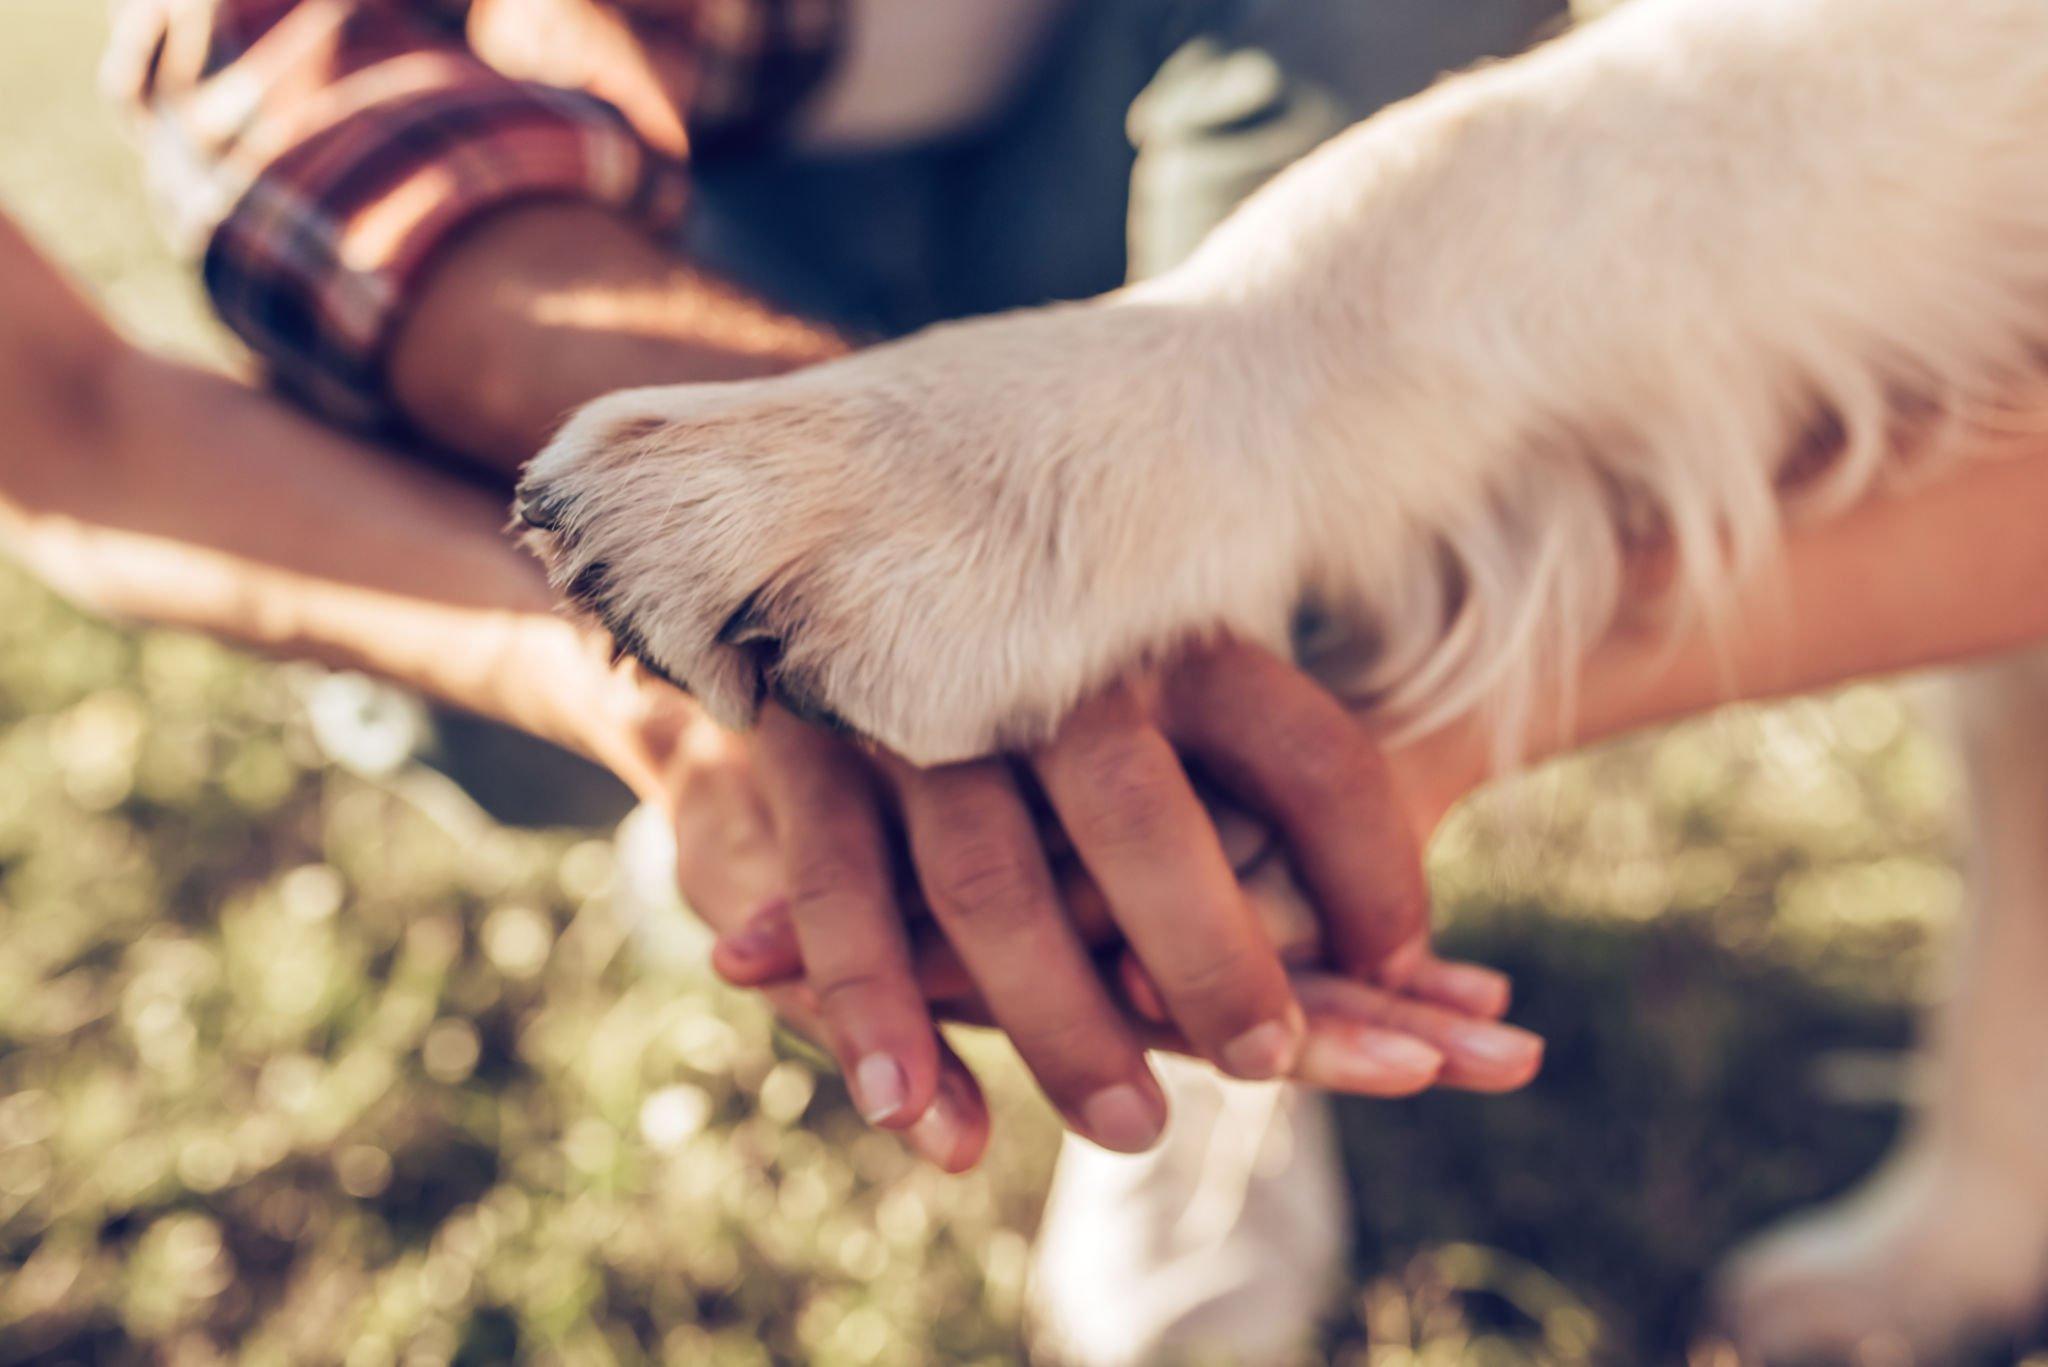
(747, 625)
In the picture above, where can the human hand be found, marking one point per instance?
(1150, 865)
(709, 783)
(790, 809)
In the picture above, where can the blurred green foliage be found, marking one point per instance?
(291, 1064)
(299, 1066)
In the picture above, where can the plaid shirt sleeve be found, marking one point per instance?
(314, 154)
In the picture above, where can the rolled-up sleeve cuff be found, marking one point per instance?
(318, 259)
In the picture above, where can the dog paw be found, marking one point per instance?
(1934, 1253)
(943, 543)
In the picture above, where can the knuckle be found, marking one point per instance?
(1111, 760)
(985, 881)
(816, 783)
(1140, 822)
(963, 810)
(830, 885)
(1213, 981)
(1130, 795)
(852, 990)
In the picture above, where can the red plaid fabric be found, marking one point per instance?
(315, 153)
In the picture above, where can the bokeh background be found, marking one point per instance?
(303, 1064)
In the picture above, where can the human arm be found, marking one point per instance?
(154, 491)
(157, 491)
(543, 307)
(383, 244)
(483, 337)
(361, 180)
(1947, 571)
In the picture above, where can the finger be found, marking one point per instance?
(1140, 992)
(1279, 741)
(1338, 1054)
(1293, 921)
(985, 878)
(945, 978)
(1470, 988)
(954, 1132)
(762, 951)
(849, 929)
(940, 970)
(1266, 874)
(970, 1010)
(1148, 843)
(1350, 1056)
(1341, 1055)
(1479, 1055)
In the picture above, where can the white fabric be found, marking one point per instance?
(917, 69)
(1225, 1242)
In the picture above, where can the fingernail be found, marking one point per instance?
(1120, 1118)
(1369, 1060)
(1503, 1046)
(879, 1088)
(1264, 1051)
(941, 1131)
(761, 930)
(1480, 989)
(1395, 1053)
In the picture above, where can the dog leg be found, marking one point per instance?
(1629, 278)
(1951, 1237)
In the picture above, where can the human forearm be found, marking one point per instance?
(540, 309)
(187, 499)
(1947, 572)
(376, 144)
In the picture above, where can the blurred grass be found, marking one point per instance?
(297, 1066)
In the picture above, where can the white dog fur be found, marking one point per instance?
(1699, 265)
(1430, 380)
